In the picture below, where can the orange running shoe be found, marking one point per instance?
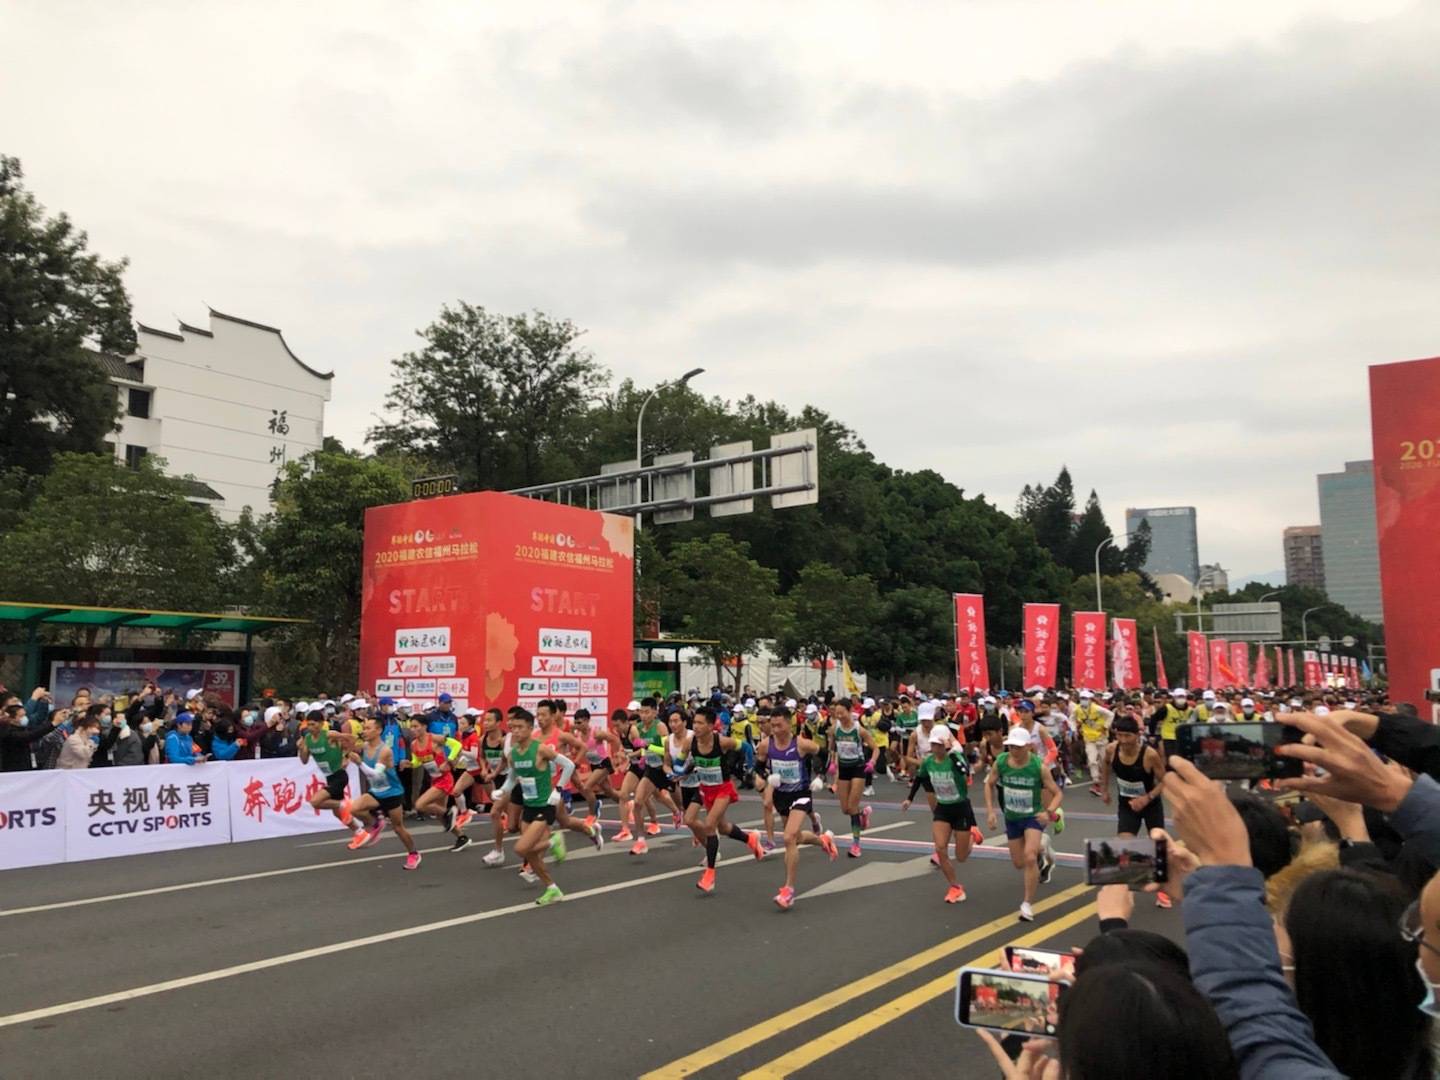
(1163, 901)
(640, 848)
(827, 841)
(653, 829)
(752, 841)
(706, 884)
(955, 895)
(345, 814)
(624, 834)
(785, 898)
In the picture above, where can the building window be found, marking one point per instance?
(139, 406)
(134, 455)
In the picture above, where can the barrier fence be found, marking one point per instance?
(71, 815)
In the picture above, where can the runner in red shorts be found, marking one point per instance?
(717, 791)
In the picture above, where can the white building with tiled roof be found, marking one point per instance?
(228, 406)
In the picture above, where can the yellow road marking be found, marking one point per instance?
(823, 1045)
(766, 1029)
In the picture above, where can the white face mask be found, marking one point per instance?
(147, 727)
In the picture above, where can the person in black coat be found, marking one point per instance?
(17, 735)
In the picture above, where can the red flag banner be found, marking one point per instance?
(1313, 674)
(972, 665)
(1240, 662)
(1199, 659)
(1088, 669)
(1160, 680)
(1220, 674)
(1125, 654)
(1042, 644)
(1262, 668)
(1292, 681)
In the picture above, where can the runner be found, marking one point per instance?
(1025, 785)
(504, 811)
(602, 750)
(327, 749)
(385, 797)
(653, 782)
(1139, 774)
(760, 778)
(946, 774)
(531, 767)
(785, 753)
(436, 755)
(906, 721)
(1094, 723)
(708, 754)
(551, 717)
(849, 743)
(471, 772)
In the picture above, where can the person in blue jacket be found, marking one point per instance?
(441, 721)
(179, 746)
(223, 746)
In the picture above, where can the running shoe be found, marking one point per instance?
(529, 876)
(1163, 901)
(768, 844)
(551, 894)
(596, 836)
(639, 847)
(890, 774)
(624, 834)
(854, 851)
(412, 861)
(461, 843)
(706, 884)
(450, 812)
(378, 827)
(653, 829)
(1047, 868)
(557, 846)
(345, 814)
(675, 819)
(494, 858)
(935, 860)
(461, 820)
(1059, 821)
(752, 841)
(827, 841)
(359, 840)
(785, 898)
(1027, 914)
(868, 792)
(955, 894)
(590, 820)
(372, 836)
(865, 817)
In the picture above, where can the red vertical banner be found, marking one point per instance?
(1313, 674)
(1160, 680)
(1240, 662)
(1199, 659)
(1220, 674)
(1405, 427)
(1280, 667)
(1088, 668)
(1294, 672)
(972, 665)
(1042, 644)
(1262, 668)
(1125, 654)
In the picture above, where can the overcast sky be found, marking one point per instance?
(1159, 242)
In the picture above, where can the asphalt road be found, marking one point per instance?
(289, 957)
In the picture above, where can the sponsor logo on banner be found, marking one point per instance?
(581, 665)
(565, 686)
(32, 825)
(420, 687)
(1199, 651)
(1312, 667)
(454, 687)
(547, 665)
(532, 687)
(1089, 648)
(390, 687)
(123, 811)
(599, 709)
(423, 639)
(572, 642)
(530, 704)
(589, 687)
(972, 664)
(272, 798)
(398, 667)
(1042, 643)
(437, 665)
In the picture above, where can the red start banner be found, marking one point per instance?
(1088, 667)
(1199, 659)
(1405, 427)
(498, 600)
(972, 665)
(1240, 662)
(1125, 654)
(1042, 644)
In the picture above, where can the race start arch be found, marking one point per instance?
(497, 600)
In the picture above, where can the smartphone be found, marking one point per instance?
(1125, 860)
(1241, 751)
(1003, 1001)
(1051, 963)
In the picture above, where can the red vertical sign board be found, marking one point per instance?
(1199, 659)
(1240, 662)
(1405, 427)
(1220, 676)
(1042, 644)
(1125, 654)
(1290, 663)
(1313, 675)
(972, 665)
(1262, 668)
(1088, 668)
(498, 600)
(1160, 680)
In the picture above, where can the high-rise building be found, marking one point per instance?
(1173, 545)
(1304, 557)
(1348, 540)
(1213, 578)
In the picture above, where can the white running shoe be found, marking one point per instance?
(529, 876)
(495, 858)
(1026, 913)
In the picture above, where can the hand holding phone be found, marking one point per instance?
(1238, 751)
(1003, 1001)
(1135, 861)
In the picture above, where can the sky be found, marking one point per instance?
(1157, 242)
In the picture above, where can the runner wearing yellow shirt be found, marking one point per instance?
(1176, 711)
(1093, 720)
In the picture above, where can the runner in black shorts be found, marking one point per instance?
(1139, 774)
(946, 773)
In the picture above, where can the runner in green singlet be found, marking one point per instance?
(327, 750)
(1031, 798)
(531, 769)
(946, 774)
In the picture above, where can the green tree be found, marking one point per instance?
(309, 555)
(57, 302)
(913, 635)
(1050, 511)
(725, 595)
(99, 534)
(830, 613)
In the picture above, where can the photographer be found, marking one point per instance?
(18, 733)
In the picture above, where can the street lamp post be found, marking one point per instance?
(1099, 605)
(1304, 635)
(640, 426)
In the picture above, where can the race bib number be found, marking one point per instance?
(527, 787)
(849, 751)
(1130, 789)
(1019, 801)
(653, 760)
(710, 775)
(945, 788)
(787, 771)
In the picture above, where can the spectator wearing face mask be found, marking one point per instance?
(120, 744)
(223, 746)
(17, 737)
(249, 731)
(278, 741)
(82, 745)
(180, 748)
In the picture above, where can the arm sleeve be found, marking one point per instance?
(1236, 965)
(914, 787)
(567, 769)
(452, 748)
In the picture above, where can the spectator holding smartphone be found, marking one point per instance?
(18, 734)
(180, 748)
(82, 744)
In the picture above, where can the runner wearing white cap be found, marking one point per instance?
(1030, 799)
(1094, 721)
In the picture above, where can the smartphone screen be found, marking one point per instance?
(1243, 751)
(1125, 860)
(1002, 1001)
(1049, 963)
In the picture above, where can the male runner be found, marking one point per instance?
(947, 775)
(385, 797)
(709, 758)
(530, 768)
(653, 782)
(1094, 722)
(436, 755)
(550, 717)
(327, 749)
(1139, 774)
(785, 754)
(1031, 798)
(849, 745)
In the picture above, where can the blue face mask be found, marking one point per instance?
(1428, 1006)
(106, 721)
(95, 739)
(23, 721)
